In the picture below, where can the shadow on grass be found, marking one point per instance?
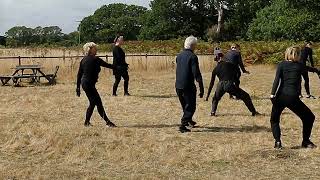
(153, 126)
(157, 96)
(243, 115)
(244, 129)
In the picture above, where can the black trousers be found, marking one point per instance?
(298, 107)
(188, 101)
(118, 76)
(94, 100)
(305, 76)
(233, 89)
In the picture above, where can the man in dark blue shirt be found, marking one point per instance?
(186, 73)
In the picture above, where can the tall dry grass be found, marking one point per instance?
(69, 66)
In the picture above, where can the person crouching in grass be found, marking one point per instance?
(285, 94)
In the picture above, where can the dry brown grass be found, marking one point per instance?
(42, 135)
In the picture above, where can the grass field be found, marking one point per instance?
(42, 134)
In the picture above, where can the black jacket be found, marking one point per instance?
(225, 71)
(188, 71)
(119, 60)
(89, 69)
(288, 78)
(235, 58)
(306, 55)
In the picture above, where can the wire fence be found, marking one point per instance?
(21, 58)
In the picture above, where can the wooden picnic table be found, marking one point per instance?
(32, 72)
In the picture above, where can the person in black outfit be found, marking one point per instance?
(88, 74)
(307, 55)
(228, 75)
(285, 94)
(234, 57)
(121, 67)
(186, 73)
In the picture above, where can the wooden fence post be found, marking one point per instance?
(19, 60)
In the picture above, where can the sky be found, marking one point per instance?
(62, 13)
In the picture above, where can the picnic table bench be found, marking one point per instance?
(35, 74)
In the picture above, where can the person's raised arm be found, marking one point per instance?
(276, 82)
(197, 74)
(213, 78)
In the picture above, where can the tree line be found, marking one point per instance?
(211, 20)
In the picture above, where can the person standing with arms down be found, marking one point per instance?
(120, 66)
(186, 73)
(307, 55)
(227, 74)
(88, 74)
(285, 94)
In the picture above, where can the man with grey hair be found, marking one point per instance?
(186, 73)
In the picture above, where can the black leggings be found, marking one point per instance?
(94, 100)
(188, 100)
(296, 106)
(233, 89)
(305, 76)
(118, 77)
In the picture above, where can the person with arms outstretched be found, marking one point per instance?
(228, 76)
(88, 74)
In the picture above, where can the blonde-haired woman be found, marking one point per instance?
(285, 94)
(88, 74)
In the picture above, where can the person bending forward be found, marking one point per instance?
(285, 94)
(90, 67)
(228, 76)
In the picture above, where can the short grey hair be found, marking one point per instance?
(191, 40)
(88, 46)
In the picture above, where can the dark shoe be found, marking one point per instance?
(110, 124)
(184, 129)
(213, 114)
(256, 114)
(127, 94)
(310, 97)
(278, 145)
(114, 95)
(192, 124)
(308, 144)
(87, 124)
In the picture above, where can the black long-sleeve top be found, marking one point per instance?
(188, 70)
(89, 69)
(119, 60)
(307, 55)
(288, 78)
(235, 58)
(225, 71)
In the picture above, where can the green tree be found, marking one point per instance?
(110, 20)
(171, 19)
(281, 20)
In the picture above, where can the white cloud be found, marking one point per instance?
(63, 13)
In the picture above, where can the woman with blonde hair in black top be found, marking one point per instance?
(88, 74)
(285, 94)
